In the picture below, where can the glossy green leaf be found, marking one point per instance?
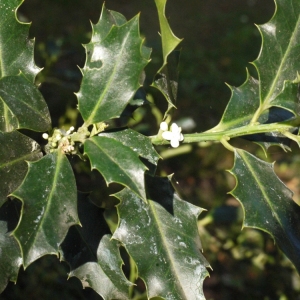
(49, 198)
(267, 203)
(241, 107)
(135, 141)
(278, 66)
(115, 61)
(162, 238)
(16, 149)
(116, 163)
(168, 39)
(94, 258)
(16, 49)
(166, 79)
(278, 63)
(10, 254)
(22, 105)
(100, 30)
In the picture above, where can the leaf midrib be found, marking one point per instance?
(39, 112)
(109, 82)
(46, 203)
(267, 101)
(165, 245)
(20, 158)
(117, 164)
(263, 190)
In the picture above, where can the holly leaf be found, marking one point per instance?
(10, 253)
(277, 66)
(117, 163)
(240, 110)
(162, 237)
(22, 105)
(48, 194)
(16, 48)
(278, 63)
(137, 142)
(166, 79)
(16, 150)
(94, 258)
(267, 203)
(107, 19)
(115, 61)
(168, 39)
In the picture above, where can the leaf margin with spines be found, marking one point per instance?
(57, 161)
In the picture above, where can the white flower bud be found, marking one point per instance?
(163, 126)
(45, 136)
(174, 135)
(58, 137)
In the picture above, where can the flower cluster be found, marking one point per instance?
(60, 139)
(174, 135)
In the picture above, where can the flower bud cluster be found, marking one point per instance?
(61, 139)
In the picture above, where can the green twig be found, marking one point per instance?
(281, 127)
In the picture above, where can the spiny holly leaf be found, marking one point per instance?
(100, 30)
(278, 63)
(16, 52)
(278, 66)
(16, 148)
(168, 39)
(116, 162)
(267, 203)
(166, 79)
(10, 255)
(94, 258)
(115, 61)
(49, 197)
(22, 105)
(162, 238)
(137, 142)
(241, 107)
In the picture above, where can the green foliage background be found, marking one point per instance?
(219, 40)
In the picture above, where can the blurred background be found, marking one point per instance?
(220, 39)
